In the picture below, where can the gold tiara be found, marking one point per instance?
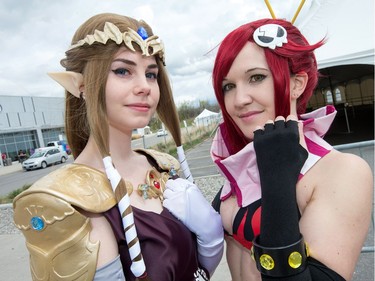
(150, 46)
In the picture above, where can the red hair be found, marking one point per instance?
(293, 57)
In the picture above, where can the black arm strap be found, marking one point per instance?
(280, 261)
(315, 271)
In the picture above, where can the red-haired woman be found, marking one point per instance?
(300, 208)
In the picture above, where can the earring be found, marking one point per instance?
(82, 95)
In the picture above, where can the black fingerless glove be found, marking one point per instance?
(280, 158)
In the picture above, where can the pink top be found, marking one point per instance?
(240, 170)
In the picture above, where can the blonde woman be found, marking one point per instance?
(114, 214)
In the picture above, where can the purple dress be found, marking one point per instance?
(169, 248)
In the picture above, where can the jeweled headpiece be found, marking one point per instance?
(150, 46)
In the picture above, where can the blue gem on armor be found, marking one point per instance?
(37, 223)
(142, 32)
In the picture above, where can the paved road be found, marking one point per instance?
(17, 178)
(200, 164)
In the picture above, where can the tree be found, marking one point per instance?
(155, 123)
(187, 111)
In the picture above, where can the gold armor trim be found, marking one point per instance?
(164, 160)
(154, 186)
(81, 185)
(155, 180)
(58, 244)
(57, 235)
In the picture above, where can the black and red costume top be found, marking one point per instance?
(242, 176)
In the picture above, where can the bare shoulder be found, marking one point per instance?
(346, 180)
(339, 210)
(341, 178)
(347, 157)
(347, 166)
(347, 173)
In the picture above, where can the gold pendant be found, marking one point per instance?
(154, 186)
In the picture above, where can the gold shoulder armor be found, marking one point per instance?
(57, 235)
(164, 160)
(82, 186)
(57, 238)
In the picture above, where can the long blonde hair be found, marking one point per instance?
(88, 117)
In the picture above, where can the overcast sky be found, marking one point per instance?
(36, 33)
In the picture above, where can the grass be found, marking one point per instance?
(194, 139)
(171, 149)
(9, 198)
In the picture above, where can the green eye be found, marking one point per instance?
(227, 87)
(257, 78)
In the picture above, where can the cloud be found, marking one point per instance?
(36, 33)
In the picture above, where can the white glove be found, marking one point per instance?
(186, 202)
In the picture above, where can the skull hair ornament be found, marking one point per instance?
(270, 35)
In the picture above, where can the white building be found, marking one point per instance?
(27, 123)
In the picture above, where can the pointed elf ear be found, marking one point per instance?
(71, 81)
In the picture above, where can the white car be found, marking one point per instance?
(44, 157)
(161, 133)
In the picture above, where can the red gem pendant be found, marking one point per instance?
(157, 184)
